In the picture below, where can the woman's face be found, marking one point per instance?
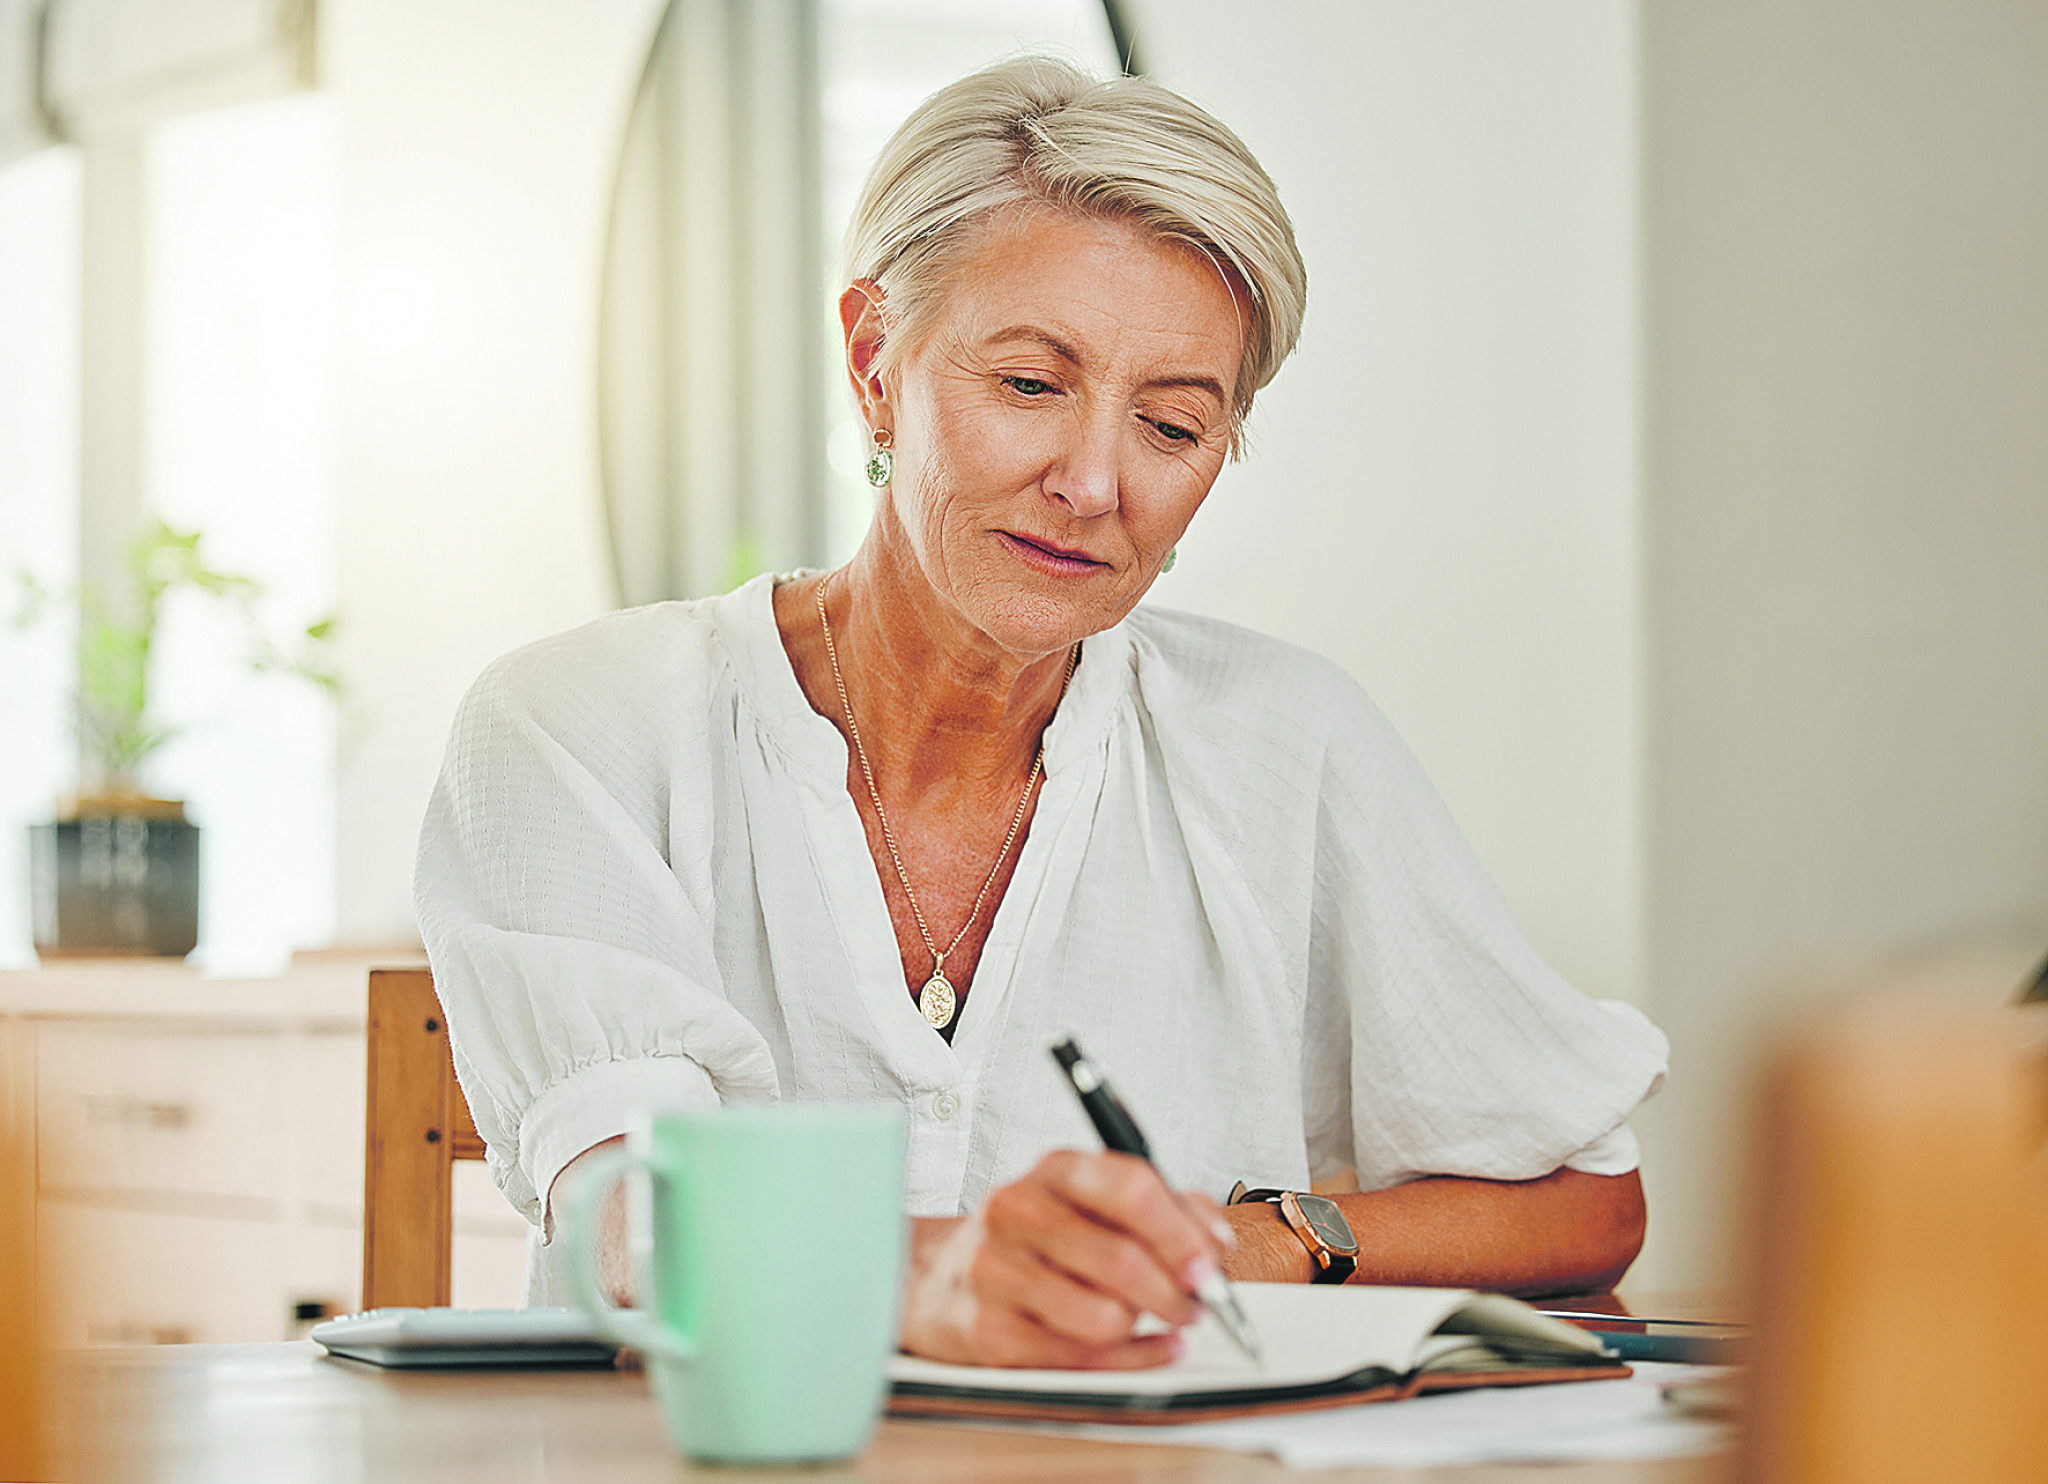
(1061, 423)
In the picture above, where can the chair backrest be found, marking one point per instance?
(418, 1124)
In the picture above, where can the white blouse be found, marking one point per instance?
(642, 882)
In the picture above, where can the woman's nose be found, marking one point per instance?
(1084, 476)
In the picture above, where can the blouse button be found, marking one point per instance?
(944, 1106)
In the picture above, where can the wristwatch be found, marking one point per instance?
(1320, 1224)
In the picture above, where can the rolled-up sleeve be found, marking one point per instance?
(1467, 1053)
(576, 972)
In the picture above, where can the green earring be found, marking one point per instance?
(1171, 557)
(881, 463)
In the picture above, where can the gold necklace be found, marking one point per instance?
(936, 1001)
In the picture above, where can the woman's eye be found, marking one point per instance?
(1174, 433)
(1029, 386)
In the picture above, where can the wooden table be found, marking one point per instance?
(285, 1413)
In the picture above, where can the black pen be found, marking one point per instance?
(1120, 1134)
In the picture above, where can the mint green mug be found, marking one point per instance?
(776, 1277)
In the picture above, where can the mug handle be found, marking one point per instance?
(641, 1329)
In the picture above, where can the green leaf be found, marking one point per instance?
(111, 708)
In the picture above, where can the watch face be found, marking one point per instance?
(1328, 1221)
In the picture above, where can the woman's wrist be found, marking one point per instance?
(927, 1235)
(1266, 1251)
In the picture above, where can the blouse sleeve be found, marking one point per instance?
(574, 966)
(1467, 1053)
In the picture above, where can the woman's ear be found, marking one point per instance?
(864, 322)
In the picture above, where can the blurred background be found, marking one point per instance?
(1667, 449)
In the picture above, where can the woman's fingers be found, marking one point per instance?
(1128, 1195)
(1014, 1339)
(1056, 1268)
(1093, 1280)
(1106, 1241)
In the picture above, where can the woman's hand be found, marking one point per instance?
(1055, 1269)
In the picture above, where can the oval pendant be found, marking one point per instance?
(936, 1000)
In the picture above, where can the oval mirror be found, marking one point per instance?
(729, 443)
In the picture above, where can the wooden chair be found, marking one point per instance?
(418, 1125)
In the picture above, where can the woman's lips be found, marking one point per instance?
(1048, 557)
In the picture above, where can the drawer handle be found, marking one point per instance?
(137, 1112)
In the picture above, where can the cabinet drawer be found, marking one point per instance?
(135, 1109)
(145, 1277)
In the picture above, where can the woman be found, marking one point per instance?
(886, 833)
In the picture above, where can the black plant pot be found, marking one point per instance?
(120, 881)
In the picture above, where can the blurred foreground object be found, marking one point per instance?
(20, 1368)
(1899, 1253)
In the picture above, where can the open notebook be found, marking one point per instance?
(1324, 1347)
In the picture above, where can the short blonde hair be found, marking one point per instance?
(1038, 130)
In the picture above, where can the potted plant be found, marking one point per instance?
(118, 871)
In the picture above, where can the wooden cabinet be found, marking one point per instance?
(199, 1150)
(168, 1113)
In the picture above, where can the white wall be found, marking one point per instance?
(1442, 489)
(478, 139)
(1847, 516)
(236, 442)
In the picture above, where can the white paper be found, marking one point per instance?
(1571, 1422)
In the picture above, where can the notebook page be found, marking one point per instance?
(1309, 1333)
